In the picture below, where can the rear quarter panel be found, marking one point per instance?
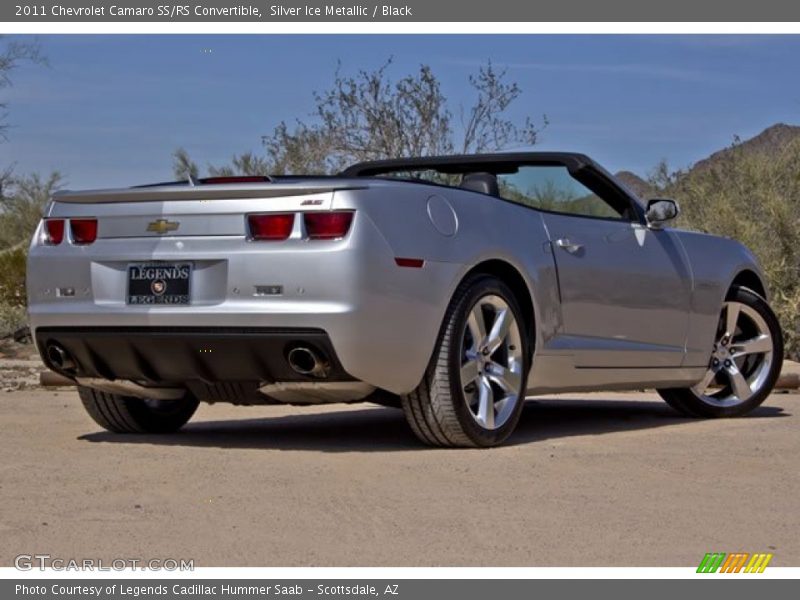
(486, 228)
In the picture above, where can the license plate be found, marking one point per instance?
(159, 283)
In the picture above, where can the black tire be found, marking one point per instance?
(689, 403)
(127, 414)
(437, 410)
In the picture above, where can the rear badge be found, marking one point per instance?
(162, 226)
(268, 290)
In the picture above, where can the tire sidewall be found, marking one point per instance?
(760, 305)
(171, 416)
(127, 414)
(479, 288)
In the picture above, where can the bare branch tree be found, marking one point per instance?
(243, 164)
(11, 55)
(306, 149)
(370, 116)
(182, 165)
(485, 127)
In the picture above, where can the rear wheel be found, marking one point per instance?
(473, 390)
(127, 414)
(745, 362)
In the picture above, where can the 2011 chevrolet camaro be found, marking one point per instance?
(451, 286)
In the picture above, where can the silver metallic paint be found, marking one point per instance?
(632, 307)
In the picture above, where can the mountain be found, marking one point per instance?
(768, 141)
(635, 184)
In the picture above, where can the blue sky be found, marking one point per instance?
(109, 110)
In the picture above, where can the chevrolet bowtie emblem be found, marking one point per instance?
(162, 226)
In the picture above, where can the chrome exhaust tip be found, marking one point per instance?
(60, 358)
(307, 361)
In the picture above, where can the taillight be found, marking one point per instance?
(327, 225)
(53, 231)
(270, 227)
(83, 231)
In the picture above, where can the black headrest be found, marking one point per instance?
(485, 183)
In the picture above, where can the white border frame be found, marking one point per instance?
(378, 28)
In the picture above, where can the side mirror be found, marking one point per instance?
(660, 211)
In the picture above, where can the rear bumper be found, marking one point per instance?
(169, 355)
(381, 319)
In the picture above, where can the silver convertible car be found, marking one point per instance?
(451, 286)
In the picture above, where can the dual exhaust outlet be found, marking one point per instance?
(308, 361)
(60, 359)
(303, 360)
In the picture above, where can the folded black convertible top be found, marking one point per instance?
(507, 162)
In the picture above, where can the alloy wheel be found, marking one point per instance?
(741, 358)
(491, 362)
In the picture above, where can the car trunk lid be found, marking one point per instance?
(189, 210)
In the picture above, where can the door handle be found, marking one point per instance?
(567, 245)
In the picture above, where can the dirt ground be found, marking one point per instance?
(592, 479)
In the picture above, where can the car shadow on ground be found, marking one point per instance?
(385, 429)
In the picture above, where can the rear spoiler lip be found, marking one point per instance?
(204, 192)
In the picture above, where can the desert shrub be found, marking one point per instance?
(754, 198)
(21, 205)
(12, 289)
(12, 276)
(22, 202)
(12, 318)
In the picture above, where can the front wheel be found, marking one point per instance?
(127, 414)
(745, 362)
(473, 390)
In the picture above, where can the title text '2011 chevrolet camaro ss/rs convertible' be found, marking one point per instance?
(449, 286)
